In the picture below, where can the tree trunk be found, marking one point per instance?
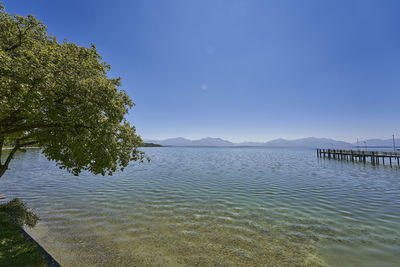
(18, 145)
(2, 170)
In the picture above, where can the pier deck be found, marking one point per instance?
(374, 157)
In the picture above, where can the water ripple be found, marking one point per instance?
(215, 207)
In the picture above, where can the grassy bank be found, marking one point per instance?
(15, 248)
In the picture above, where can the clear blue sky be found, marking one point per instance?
(244, 70)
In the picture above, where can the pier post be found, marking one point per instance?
(360, 156)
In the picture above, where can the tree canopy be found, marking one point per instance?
(57, 95)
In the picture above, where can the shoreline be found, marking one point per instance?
(30, 147)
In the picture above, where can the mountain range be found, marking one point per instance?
(180, 141)
(310, 142)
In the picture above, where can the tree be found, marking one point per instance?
(58, 96)
(20, 212)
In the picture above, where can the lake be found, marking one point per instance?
(215, 207)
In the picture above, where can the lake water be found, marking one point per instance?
(215, 207)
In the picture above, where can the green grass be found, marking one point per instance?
(15, 248)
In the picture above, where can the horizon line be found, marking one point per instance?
(279, 138)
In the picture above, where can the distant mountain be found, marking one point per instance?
(209, 141)
(250, 144)
(378, 143)
(310, 142)
(180, 141)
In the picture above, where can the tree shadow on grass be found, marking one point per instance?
(15, 248)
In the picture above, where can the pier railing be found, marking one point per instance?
(375, 157)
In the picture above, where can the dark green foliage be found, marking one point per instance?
(58, 96)
(150, 145)
(15, 248)
(18, 210)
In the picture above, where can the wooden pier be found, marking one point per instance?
(374, 157)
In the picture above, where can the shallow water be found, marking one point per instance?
(215, 207)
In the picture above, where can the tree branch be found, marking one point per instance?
(26, 137)
(21, 128)
(17, 44)
(12, 118)
(28, 144)
(33, 126)
(4, 167)
(1, 146)
(20, 37)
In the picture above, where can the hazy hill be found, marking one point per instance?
(379, 142)
(310, 142)
(180, 141)
(209, 141)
